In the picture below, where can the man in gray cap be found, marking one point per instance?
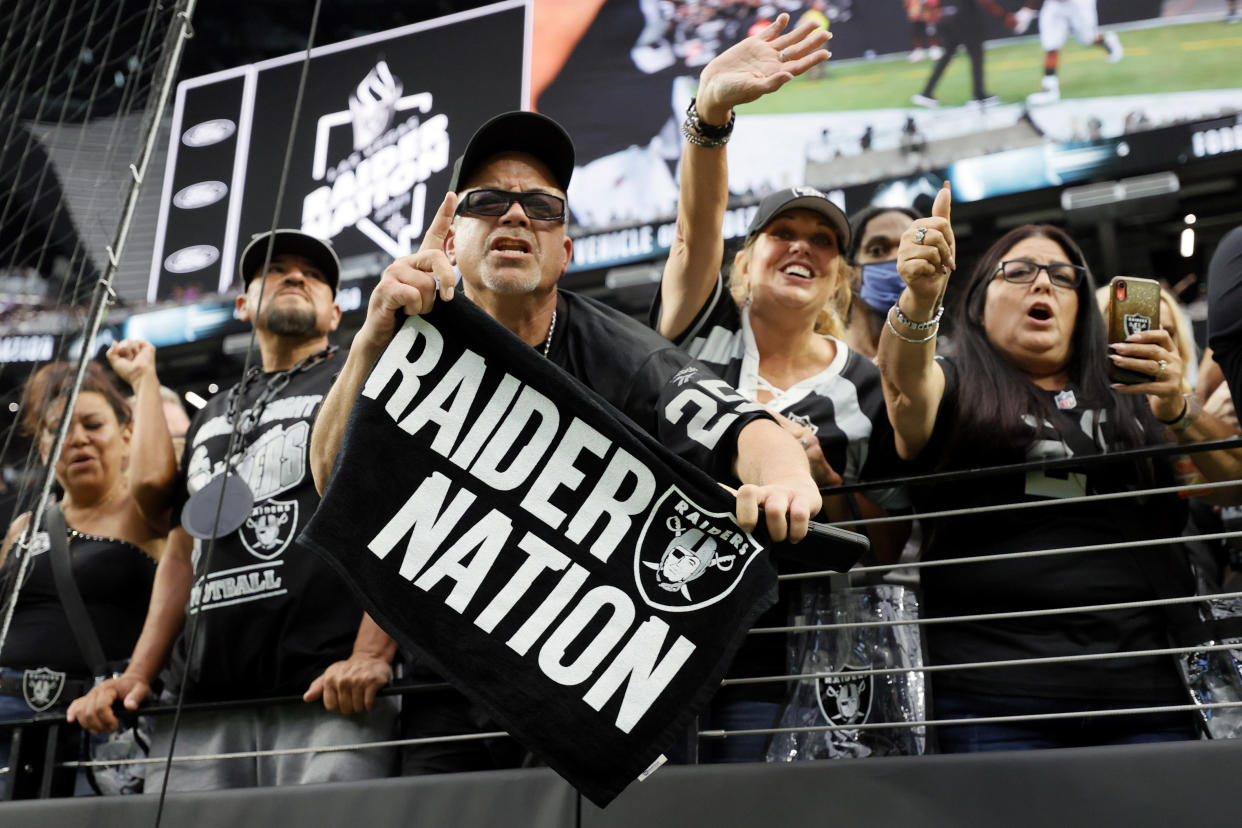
(249, 614)
(503, 226)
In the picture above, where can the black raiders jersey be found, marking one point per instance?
(639, 372)
(843, 404)
(1046, 582)
(271, 615)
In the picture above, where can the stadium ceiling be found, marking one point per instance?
(228, 33)
(233, 32)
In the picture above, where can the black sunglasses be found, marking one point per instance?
(1061, 274)
(536, 205)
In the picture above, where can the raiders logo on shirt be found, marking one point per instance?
(688, 557)
(41, 687)
(802, 420)
(845, 700)
(270, 527)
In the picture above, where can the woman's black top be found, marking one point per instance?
(1041, 583)
(115, 579)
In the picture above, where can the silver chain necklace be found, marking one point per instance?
(547, 343)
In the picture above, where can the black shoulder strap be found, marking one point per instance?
(67, 588)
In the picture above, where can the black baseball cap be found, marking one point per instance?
(806, 198)
(518, 131)
(296, 242)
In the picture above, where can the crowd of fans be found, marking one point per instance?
(827, 326)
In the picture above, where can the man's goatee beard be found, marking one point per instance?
(295, 323)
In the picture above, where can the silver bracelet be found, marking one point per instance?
(695, 137)
(919, 326)
(888, 320)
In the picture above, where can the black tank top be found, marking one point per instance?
(115, 579)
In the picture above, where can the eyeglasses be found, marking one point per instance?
(537, 206)
(1061, 274)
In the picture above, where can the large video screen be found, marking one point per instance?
(1138, 84)
(370, 151)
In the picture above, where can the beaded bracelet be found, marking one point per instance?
(703, 134)
(888, 320)
(698, 140)
(918, 326)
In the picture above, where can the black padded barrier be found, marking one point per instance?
(1187, 783)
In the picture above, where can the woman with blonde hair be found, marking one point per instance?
(774, 331)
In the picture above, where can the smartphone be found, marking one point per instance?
(825, 547)
(1133, 306)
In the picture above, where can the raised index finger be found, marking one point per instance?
(434, 238)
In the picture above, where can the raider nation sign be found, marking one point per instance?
(548, 557)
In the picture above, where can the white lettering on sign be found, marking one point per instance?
(576, 633)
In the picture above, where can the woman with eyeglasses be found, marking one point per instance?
(1027, 381)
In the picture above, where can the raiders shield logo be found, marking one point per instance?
(1135, 322)
(40, 544)
(688, 557)
(270, 527)
(801, 420)
(41, 688)
(845, 700)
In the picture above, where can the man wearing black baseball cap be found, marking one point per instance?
(503, 226)
(281, 243)
(255, 577)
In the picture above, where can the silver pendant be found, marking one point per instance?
(198, 516)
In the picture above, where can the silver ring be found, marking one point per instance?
(781, 55)
(1164, 364)
(802, 441)
(920, 233)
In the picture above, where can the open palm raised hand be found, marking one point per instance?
(759, 65)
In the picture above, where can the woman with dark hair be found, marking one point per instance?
(116, 469)
(1027, 381)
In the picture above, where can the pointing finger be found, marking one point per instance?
(434, 238)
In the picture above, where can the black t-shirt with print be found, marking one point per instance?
(114, 578)
(270, 614)
(639, 371)
(843, 405)
(1047, 582)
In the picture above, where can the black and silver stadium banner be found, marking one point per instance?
(383, 118)
(542, 553)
